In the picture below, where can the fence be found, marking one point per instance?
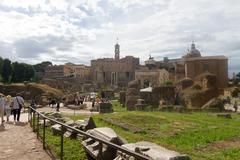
(34, 117)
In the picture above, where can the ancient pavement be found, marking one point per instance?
(18, 142)
(66, 110)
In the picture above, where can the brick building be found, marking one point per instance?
(193, 64)
(114, 71)
(79, 72)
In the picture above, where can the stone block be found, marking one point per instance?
(134, 84)
(56, 129)
(86, 124)
(92, 147)
(151, 150)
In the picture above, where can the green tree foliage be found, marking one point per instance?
(236, 80)
(22, 72)
(18, 72)
(6, 70)
(1, 63)
(168, 83)
(29, 72)
(40, 67)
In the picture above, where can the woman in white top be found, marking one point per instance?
(7, 108)
(2, 102)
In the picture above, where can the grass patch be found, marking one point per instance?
(187, 133)
(72, 148)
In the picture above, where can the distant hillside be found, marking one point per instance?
(31, 90)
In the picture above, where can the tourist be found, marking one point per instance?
(58, 106)
(81, 99)
(93, 102)
(235, 106)
(2, 103)
(18, 103)
(8, 103)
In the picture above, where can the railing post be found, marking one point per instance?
(44, 123)
(37, 125)
(34, 118)
(100, 151)
(61, 156)
(29, 114)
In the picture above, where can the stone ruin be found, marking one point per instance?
(201, 92)
(83, 125)
(151, 150)
(132, 94)
(166, 93)
(103, 107)
(92, 147)
(122, 98)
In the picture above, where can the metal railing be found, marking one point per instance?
(34, 117)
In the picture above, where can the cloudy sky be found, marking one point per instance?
(80, 30)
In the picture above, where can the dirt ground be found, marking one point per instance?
(18, 142)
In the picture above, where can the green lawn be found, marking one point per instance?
(200, 135)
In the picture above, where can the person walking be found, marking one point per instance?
(18, 103)
(2, 104)
(8, 102)
(58, 106)
(235, 106)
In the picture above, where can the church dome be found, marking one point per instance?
(193, 52)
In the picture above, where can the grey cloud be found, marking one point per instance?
(31, 47)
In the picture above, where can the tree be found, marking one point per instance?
(29, 72)
(6, 70)
(236, 79)
(40, 67)
(18, 72)
(1, 63)
(22, 72)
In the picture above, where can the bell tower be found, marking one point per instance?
(117, 50)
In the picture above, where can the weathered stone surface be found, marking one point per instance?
(214, 103)
(47, 123)
(225, 115)
(92, 147)
(132, 92)
(70, 134)
(154, 151)
(166, 93)
(70, 123)
(56, 129)
(184, 83)
(122, 98)
(86, 124)
(131, 101)
(79, 122)
(134, 84)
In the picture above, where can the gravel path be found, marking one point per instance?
(18, 142)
